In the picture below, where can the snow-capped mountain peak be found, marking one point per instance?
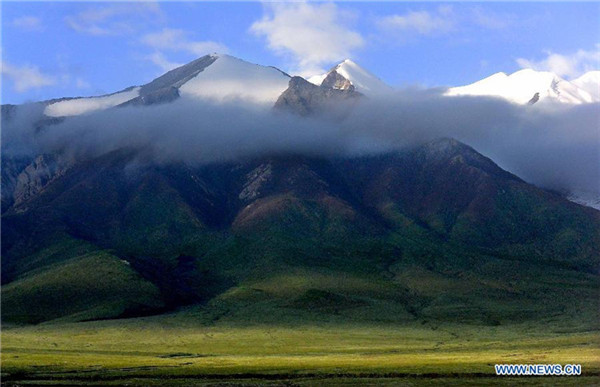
(221, 77)
(216, 77)
(528, 86)
(229, 77)
(363, 81)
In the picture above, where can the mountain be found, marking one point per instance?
(530, 86)
(348, 73)
(219, 78)
(215, 77)
(431, 231)
(175, 235)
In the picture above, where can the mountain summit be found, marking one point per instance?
(348, 73)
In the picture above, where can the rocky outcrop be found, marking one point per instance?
(304, 98)
(534, 99)
(164, 95)
(166, 87)
(11, 168)
(255, 180)
(336, 81)
(36, 176)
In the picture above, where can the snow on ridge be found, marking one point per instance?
(77, 106)
(524, 85)
(363, 80)
(229, 78)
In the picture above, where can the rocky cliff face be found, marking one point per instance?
(305, 98)
(336, 81)
(11, 169)
(33, 179)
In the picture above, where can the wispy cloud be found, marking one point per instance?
(80, 83)
(170, 39)
(571, 65)
(310, 35)
(159, 59)
(440, 21)
(116, 19)
(445, 20)
(177, 40)
(491, 20)
(28, 23)
(25, 78)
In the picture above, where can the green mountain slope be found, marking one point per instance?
(91, 286)
(436, 232)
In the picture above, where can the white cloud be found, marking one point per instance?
(116, 19)
(80, 83)
(570, 66)
(311, 35)
(176, 40)
(492, 20)
(25, 78)
(165, 65)
(28, 23)
(422, 22)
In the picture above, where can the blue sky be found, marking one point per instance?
(56, 49)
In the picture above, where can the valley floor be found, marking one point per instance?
(179, 349)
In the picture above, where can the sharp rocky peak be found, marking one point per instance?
(305, 98)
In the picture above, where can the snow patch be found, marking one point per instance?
(77, 106)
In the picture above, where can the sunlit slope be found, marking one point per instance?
(91, 286)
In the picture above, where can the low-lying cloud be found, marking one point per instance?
(557, 147)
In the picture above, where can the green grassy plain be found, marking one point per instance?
(182, 349)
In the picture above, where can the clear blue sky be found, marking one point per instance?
(56, 49)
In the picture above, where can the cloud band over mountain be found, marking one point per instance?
(556, 148)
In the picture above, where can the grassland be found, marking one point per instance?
(181, 349)
(415, 325)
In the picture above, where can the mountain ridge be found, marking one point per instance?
(529, 86)
(523, 86)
